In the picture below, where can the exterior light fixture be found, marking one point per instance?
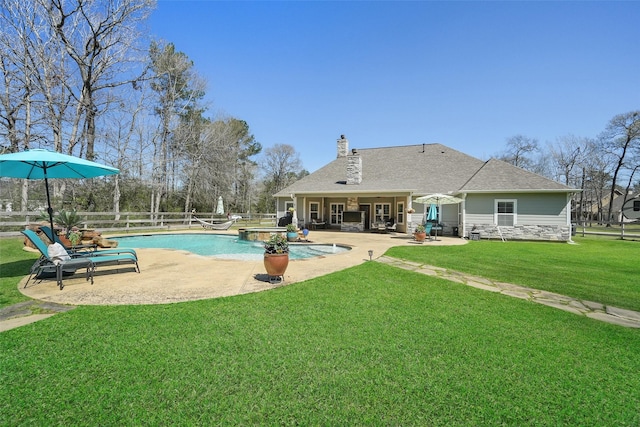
(370, 254)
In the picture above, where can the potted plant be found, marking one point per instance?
(292, 233)
(420, 233)
(276, 255)
(75, 236)
(68, 220)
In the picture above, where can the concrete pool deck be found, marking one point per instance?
(169, 276)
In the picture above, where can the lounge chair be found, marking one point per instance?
(74, 262)
(213, 226)
(87, 250)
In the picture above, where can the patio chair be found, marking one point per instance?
(90, 249)
(378, 227)
(391, 225)
(74, 262)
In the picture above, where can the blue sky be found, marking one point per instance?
(465, 74)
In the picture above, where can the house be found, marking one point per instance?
(364, 187)
(627, 209)
(596, 209)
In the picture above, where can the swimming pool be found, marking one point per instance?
(222, 246)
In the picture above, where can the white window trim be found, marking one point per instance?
(317, 212)
(337, 215)
(400, 213)
(514, 214)
(288, 204)
(384, 217)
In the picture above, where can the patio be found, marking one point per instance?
(169, 276)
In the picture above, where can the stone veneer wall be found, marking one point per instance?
(352, 226)
(260, 235)
(525, 232)
(352, 204)
(354, 169)
(343, 146)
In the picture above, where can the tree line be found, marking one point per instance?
(81, 77)
(600, 166)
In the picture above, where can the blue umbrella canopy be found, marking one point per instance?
(45, 164)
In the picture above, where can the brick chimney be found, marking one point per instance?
(354, 168)
(343, 146)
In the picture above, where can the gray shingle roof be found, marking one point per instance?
(420, 169)
(496, 175)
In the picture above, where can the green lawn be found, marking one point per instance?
(595, 269)
(14, 265)
(368, 345)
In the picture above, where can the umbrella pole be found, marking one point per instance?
(49, 208)
(437, 221)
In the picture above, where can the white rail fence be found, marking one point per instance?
(11, 223)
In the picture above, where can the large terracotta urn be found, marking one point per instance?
(420, 237)
(276, 264)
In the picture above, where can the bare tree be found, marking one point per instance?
(123, 140)
(101, 38)
(566, 156)
(519, 152)
(281, 165)
(621, 139)
(19, 67)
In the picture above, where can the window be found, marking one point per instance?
(505, 213)
(287, 205)
(400, 211)
(382, 212)
(336, 213)
(314, 210)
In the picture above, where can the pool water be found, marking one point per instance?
(221, 246)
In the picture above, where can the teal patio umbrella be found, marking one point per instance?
(433, 213)
(45, 164)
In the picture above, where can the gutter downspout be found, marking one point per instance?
(464, 214)
(568, 215)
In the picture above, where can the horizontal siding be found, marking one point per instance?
(533, 209)
(478, 219)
